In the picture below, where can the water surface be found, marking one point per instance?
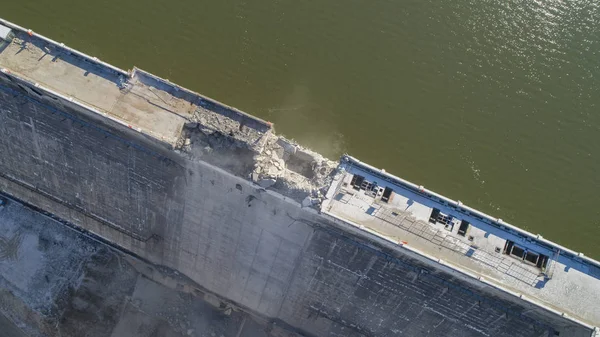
(493, 102)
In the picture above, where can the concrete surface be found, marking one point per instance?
(141, 106)
(72, 285)
(574, 287)
(198, 211)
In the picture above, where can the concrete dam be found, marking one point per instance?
(131, 206)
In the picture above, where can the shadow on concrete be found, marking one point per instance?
(58, 53)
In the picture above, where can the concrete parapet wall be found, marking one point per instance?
(252, 246)
(499, 223)
(197, 99)
(67, 49)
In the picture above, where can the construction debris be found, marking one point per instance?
(257, 154)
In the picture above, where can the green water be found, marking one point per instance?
(493, 102)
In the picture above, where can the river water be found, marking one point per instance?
(493, 102)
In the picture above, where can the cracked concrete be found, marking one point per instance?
(268, 160)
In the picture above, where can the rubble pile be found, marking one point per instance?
(268, 160)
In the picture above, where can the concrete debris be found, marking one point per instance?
(298, 172)
(257, 154)
(212, 300)
(210, 120)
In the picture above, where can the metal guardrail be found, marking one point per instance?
(496, 222)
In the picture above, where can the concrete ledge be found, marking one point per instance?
(65, 48)
(167, 142)
(398, 246)
(499, 223)
(196, 98)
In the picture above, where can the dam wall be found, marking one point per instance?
(192, 207)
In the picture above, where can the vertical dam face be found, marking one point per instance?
(252, 220)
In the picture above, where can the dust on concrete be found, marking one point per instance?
(252, 151)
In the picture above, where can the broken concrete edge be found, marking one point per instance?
(159, 274)
(278, 163)
(193, 97)
(265, 158)
(497, 222)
